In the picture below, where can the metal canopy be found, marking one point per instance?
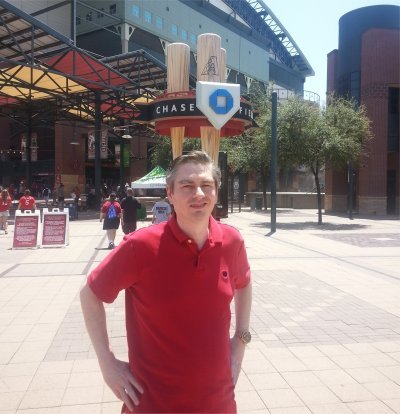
(38, 63)
(140, 65)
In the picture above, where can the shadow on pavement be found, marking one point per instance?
(311, 225)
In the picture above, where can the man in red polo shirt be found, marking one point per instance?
(179, 279)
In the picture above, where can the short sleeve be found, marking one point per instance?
(115, 273)
(242, 273)
(104, 208)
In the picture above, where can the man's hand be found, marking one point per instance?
(118, 376)
(237, 354)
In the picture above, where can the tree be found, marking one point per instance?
(352, 130)
(310, 137)
(162, 152)
(252, 150)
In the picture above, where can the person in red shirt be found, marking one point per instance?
(111, 213)
(27, 202)
(179, 279)
(5, 203)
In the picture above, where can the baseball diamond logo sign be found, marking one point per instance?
(221, 101)
(218, 101)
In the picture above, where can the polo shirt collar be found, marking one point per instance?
(214, 235)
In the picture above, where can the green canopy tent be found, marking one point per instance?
(154, 179)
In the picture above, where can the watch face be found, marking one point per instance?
(246, 337)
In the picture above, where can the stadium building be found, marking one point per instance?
(130, 37)
(366, 68)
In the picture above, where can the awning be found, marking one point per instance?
(154, 179)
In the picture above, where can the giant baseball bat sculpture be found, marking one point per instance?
(210, 68)
(178, 58)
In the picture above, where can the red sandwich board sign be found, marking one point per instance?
(55, 228)
(26, 229)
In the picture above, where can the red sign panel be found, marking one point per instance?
(26, 231)
(54, 229)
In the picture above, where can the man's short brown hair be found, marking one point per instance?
(196, 157)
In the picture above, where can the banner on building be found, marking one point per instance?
(23, 147)
(34, 147)
(117, 151)
(103, 145)
(125, 156)
(91, 146)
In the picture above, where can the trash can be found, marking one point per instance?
(259, 203)
(73, 212)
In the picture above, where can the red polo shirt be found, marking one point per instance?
(177, 313)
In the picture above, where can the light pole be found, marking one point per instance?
(273, 159)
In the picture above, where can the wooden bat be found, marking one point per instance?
(178, 59)
(210, 68)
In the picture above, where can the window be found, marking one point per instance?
(100, 14)
(136, 11)
(113, 9)
(192, 39)
(184, 35)
(159, 22)
(147, 16)
(174, 29)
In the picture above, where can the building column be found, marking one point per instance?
(126, 31)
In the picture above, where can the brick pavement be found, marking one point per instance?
(325, 319)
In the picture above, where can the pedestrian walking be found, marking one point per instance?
(111, 213)
(27, 202)
(61, 196)
(46, 194)
(161, 211)
(179, 279)
(129, 206)
(5, 204)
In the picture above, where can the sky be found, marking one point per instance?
(314, 26)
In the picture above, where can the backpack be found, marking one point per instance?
(111, 212)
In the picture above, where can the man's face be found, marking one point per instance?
(194, 194)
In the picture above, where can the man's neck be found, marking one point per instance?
(198, 232)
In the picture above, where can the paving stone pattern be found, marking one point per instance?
(325, 320)
(366, 240)
(295, 309)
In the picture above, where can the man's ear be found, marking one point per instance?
(169, 192)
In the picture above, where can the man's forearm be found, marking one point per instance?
(96, 324)
(243, 299)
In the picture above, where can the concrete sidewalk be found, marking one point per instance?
(325, 319)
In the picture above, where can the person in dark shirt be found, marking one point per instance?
(129, 207)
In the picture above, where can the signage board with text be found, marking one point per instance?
(55, 228)
(26, 230)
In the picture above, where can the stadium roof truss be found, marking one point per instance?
(261, 19)
(38, 64)
(150, 72)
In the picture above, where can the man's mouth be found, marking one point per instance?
(198, 205)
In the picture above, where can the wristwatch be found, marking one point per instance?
(244, 336)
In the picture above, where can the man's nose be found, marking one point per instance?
(198, 191)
